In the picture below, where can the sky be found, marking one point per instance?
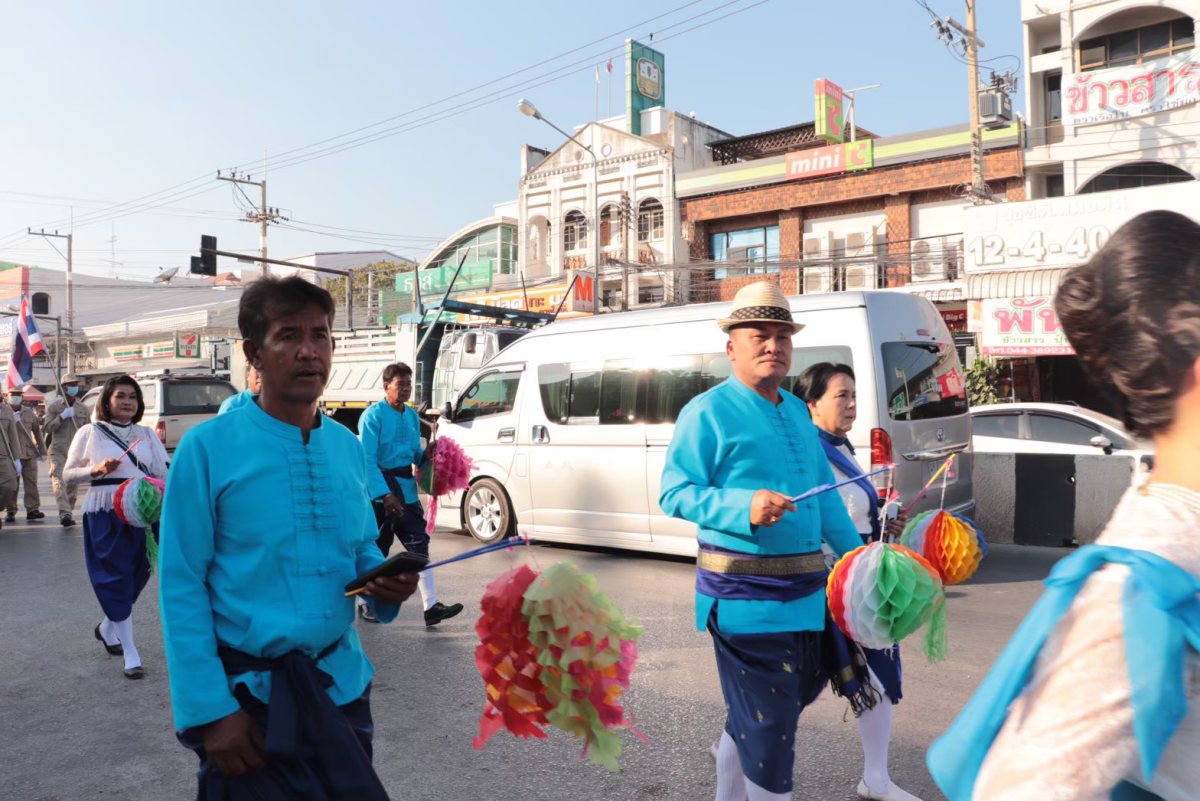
(140, 103)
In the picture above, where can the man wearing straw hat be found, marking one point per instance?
(31, 449)
(739, 453)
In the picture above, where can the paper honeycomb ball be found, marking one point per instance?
(138, 502)
(953, 544)
(881, 593)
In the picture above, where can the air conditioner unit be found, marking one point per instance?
(818, 246)
(860, 277)
(926, 264)
(817, 280)
(860, 245)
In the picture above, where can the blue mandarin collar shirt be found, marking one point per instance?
(390, 439)
(260, 534)
(729, 443)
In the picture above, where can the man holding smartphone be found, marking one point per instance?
(391, 440)
(266, 519)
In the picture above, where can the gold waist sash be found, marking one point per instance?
(761, 566)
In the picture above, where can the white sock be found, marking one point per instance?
(108, 631)
(756, 793)
(125, 635)
(875, 729)
(731, 782)
(428, 589)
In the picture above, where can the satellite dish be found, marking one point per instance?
(166, 275)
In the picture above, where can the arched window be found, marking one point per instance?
(610, 226)
(650, 220)
(574, 232)
(1131, 176)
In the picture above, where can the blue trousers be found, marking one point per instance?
(409, 528)
(116, 562)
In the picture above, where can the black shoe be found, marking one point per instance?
(439, 612)
(135, 673)
(11, 517)
(35, 515)
(366, 614)
(67, 521)
(114, 650)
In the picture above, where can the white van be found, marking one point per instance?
(569, 426)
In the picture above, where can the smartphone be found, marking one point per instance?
(403, 562)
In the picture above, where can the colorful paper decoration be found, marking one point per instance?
(953, 544)
(881, 593)
(451, 472)
(565, 660)
(138, 503)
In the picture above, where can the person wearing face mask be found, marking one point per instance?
(106, 454)
(31, 449)
(829, 390)
(59, 426)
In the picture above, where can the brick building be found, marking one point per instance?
(879, 212)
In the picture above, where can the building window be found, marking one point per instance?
(758, 247)
(610, 227)
(1055, 186)
(651, 294)
(1132, 176)
(650, 220)
(574, 232)
(1054, 97)
(1138, 45)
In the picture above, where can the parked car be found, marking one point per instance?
(1055, 428)
(569, 425)
(175, 402)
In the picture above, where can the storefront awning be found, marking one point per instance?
(1015, 284)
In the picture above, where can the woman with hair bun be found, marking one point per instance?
(1090, 699)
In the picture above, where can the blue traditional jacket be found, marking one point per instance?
(729, 443)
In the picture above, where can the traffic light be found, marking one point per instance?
(206, 262)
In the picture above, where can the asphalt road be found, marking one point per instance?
(71, 727)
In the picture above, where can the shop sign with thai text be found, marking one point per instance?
(1023, 327)
(1134, 91)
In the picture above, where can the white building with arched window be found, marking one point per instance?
(1112, 94)
(633, 180)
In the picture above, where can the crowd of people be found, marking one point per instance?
(271, 509)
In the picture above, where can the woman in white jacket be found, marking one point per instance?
(116, 553)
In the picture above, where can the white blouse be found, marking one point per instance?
(857, 503)
(90, 447)
(1069, 736)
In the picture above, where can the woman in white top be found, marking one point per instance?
(830, 393)
(1094, 698)
(116, 553)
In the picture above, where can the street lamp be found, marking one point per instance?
(529, 110)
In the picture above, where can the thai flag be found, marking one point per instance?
(27, 343)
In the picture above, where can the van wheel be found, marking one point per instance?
(486, 511)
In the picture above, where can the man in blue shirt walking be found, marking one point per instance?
(266, 519)
(247, 395)
(391, 440)
(739, 453)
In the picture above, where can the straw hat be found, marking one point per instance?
(760, 302)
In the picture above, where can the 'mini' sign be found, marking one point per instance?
(847, 157)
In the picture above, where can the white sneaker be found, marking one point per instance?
(893, 793)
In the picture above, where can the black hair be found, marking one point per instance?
(1132, 314)
(104, 405)
(393, 370)
(813, 383)
(272, 296)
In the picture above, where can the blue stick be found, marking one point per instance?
(495, 546)
(826, 487)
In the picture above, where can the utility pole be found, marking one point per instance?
(969, 47)
(263, 216)
(70, 291)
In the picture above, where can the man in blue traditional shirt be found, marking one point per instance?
(252, 391)
(391, 440)
(266, 519)
(739, 452)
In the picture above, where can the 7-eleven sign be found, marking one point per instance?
(187, 345)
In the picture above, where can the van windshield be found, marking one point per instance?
(924, 380)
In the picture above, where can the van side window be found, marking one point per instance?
(493, 394)
(623, 393)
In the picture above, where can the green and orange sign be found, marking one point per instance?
(830, 112)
